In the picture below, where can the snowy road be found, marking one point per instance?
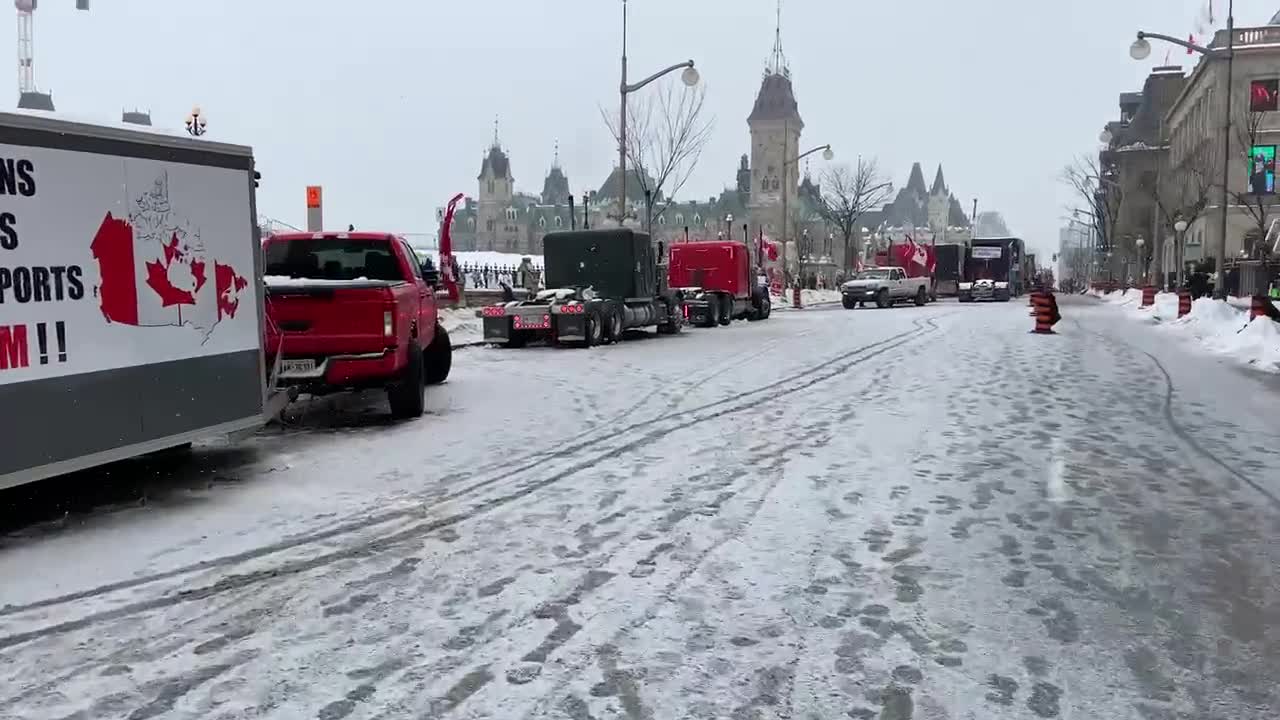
(911, 513)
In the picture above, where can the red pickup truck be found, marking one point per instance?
(353, 310)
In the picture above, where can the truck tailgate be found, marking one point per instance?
(330, 319)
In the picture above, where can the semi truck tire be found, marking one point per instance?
(848, 303)
(407, 396)
(921, 297)
(883, 300)
(713, 313)
(613, 325)
(726, 309)
(438, 357)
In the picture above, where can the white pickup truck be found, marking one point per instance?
(884, 286)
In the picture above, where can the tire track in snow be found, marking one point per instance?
(1177, 428)
(652, 430)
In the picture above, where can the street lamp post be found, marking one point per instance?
(689, 77)
(1180, 228)
(1142, 259)
(196, 122)
(1139, 50)
(827, 154)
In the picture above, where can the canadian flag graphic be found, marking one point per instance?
(154, 271)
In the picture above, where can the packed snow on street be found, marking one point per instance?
(916, 512)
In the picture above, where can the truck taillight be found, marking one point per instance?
(572, 309)
(389, 324)
(493, 311)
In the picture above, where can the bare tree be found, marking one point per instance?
(1100, 194)
(847, 195)
(667, 130)
(1180, 193)
(1256, 199)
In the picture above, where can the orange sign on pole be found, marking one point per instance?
(313, 196)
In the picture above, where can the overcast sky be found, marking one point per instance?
(389, 103)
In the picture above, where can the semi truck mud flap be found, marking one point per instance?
(571, 327)
(497, 328)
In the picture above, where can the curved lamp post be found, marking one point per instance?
(690, 77)
(1140, 50)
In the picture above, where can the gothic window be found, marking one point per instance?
(542, 222)
(679, 219)
(471, 223)
(491, 187)
(490, 225)
(511, 213)
(662, 219)
(775, 183)
(697, 220)
(764, 184)
(559, 222)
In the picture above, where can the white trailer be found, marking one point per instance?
(131, 302)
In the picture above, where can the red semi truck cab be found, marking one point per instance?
(719, 282)
(350, 311)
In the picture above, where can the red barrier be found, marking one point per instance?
(1184, 303)
(1148, 296)
(1046, 312)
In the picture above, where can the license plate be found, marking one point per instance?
(543, 323)
(298, 367)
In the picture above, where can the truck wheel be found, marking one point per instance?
(848, 302)
(713, 314)
(766, 308)
(407, 396)
(921, 297)
(438, 357)
(726, 310)
(613, 326)
(517, 339)
(882, 298)
(594, 329)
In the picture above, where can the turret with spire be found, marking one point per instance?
(775, 125)
(555, 188)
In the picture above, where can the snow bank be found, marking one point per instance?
(807, 298)
(462, 324)
(1222, 328)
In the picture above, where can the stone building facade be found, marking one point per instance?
(1195, 125)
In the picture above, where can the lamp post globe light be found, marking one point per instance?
(1180, 226)
(196, 122)
(1140, 49)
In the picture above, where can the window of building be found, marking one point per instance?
(511, 213)
(680, 219)
(662, 219)
(559, 222)
(542, 222)
(697, 220)
(1264, 95)
(490, 225)
(471, 223)
(490, 186)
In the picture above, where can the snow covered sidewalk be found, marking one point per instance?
(807, 298)
(1220, 328)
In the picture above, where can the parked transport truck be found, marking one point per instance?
(599, 284)
(130, 295)
(992, 270)
(718, 281)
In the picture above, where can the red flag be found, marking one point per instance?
(446, 251)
